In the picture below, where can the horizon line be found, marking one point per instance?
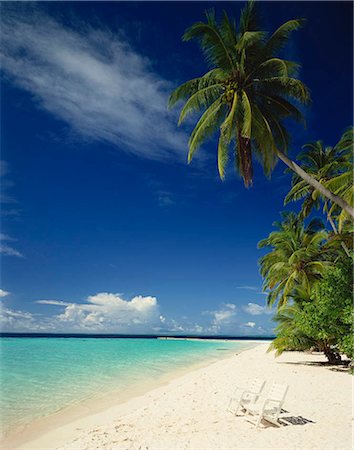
(132, 336)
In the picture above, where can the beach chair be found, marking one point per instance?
(242, 397)
(271, 407)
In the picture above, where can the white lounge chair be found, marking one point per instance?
(271, 407)
(243, 397)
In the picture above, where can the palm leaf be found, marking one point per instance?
(199, 100)
(280, 37)
(248, 18)
(249, 38)
(205, 127)
(225, 138)
(211, 42)
(247, 116)
(184, 91)
(291, 87)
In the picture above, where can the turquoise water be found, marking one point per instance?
(40, 376)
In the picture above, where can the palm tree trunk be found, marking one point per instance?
(334, 228)
(245, 159)
(333, 225)
(332, 356)
(316, 185)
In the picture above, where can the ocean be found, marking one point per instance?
(40, 376)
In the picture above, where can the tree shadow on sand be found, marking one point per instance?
(342, 366)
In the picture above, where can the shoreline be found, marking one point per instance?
(99, 403)
(190, 411)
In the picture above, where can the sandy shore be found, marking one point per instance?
(190, 411)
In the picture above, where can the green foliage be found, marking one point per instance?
(326, 321)
(332, 167)
(309, 270)
(289, 336)
(248, 93)
(297, 259)
(330, 314)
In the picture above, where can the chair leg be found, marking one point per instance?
(231, 409)
(258, 420)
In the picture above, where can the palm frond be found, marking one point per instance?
(187, 89)
(225, 138)
(249, 38)
(244, 60)
(288, 86)
(347, 140)
(228, 31)
(275, 67)
(297, 192)
(249, 19)
(211, 42)
(199, 100)
(262, 134)
(206, 126)
(247, 116)
(283, 108)
(280, 37)
(184, 91)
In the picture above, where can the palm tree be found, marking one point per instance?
(297, 260)
(332, 167)
(247, 94)
(289, 337)
(342, 183)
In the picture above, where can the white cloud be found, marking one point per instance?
(6, 237)
(6, 249)
(109, 312)
(4, 168)
(255, 310)
(9, 313)
(248, 288)
(4, 293)
(16, 320)
(10, 213)
(6, 199)
(10, 251)
(165, 198)
(5, 184)
(222, 317)
(262, 330)
(230, 306)
(198, 328)
(92, 80)
(253, 288)
(53, 302)
(103, 312)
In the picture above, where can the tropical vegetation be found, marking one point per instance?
(332, 167)
(299, 257)
(308, 270)
(325, 321)
(247, 95)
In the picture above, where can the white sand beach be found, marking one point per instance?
(190, 411)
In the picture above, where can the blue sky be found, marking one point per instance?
(105, 228)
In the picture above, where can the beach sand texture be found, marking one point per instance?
(190, 412)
